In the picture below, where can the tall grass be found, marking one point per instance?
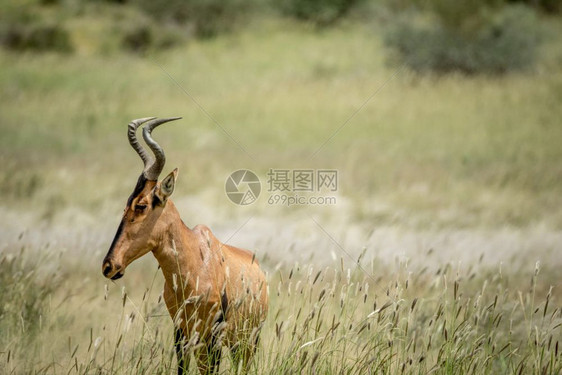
(452, 152)
(357, 318)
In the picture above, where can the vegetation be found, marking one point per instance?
(422, 154)
(24, 28)
(205, 18)
(25, 294)
(448, 152)
(21, 37)
(548, 6)
(460, 37)
(360, 319)
(320, 12)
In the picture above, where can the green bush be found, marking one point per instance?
(492, 40)
(112, 1)
(320, 12)
(142, 37)
(139, 39)
(24, 27)
(205, 18)
(548, 6)
(21, 36)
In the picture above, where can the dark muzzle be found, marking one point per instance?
(112, 271)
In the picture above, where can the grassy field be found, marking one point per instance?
(486, 149)
(453, 185)
(367, 318)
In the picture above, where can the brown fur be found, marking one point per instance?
(203, 277)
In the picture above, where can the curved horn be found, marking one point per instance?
(152, 171)
(132, 134)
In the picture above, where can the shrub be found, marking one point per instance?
(320, 12)
(138, 39)
(20, 36)
(491, 41)
(142, 37)
(49, 2)
(23, 27)
(112, 1)
(548, 6)
(206, 18)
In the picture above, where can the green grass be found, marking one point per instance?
(362, 319)
(438, 155)
(486, 148)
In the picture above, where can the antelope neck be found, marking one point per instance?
(173, 250)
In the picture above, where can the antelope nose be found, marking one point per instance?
(107, 268)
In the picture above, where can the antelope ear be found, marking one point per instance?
(166, 187)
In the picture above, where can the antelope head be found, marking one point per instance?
(142, 224)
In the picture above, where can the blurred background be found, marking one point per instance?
(438, 116)
(442, 118)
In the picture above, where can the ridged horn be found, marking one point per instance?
(152, 171)
(132, 134)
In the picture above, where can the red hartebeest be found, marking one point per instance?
(216, 294)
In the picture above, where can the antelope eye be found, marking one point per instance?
(140, 207)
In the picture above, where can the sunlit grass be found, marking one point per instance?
(425, 145)
(356, 318)
(437, 153)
